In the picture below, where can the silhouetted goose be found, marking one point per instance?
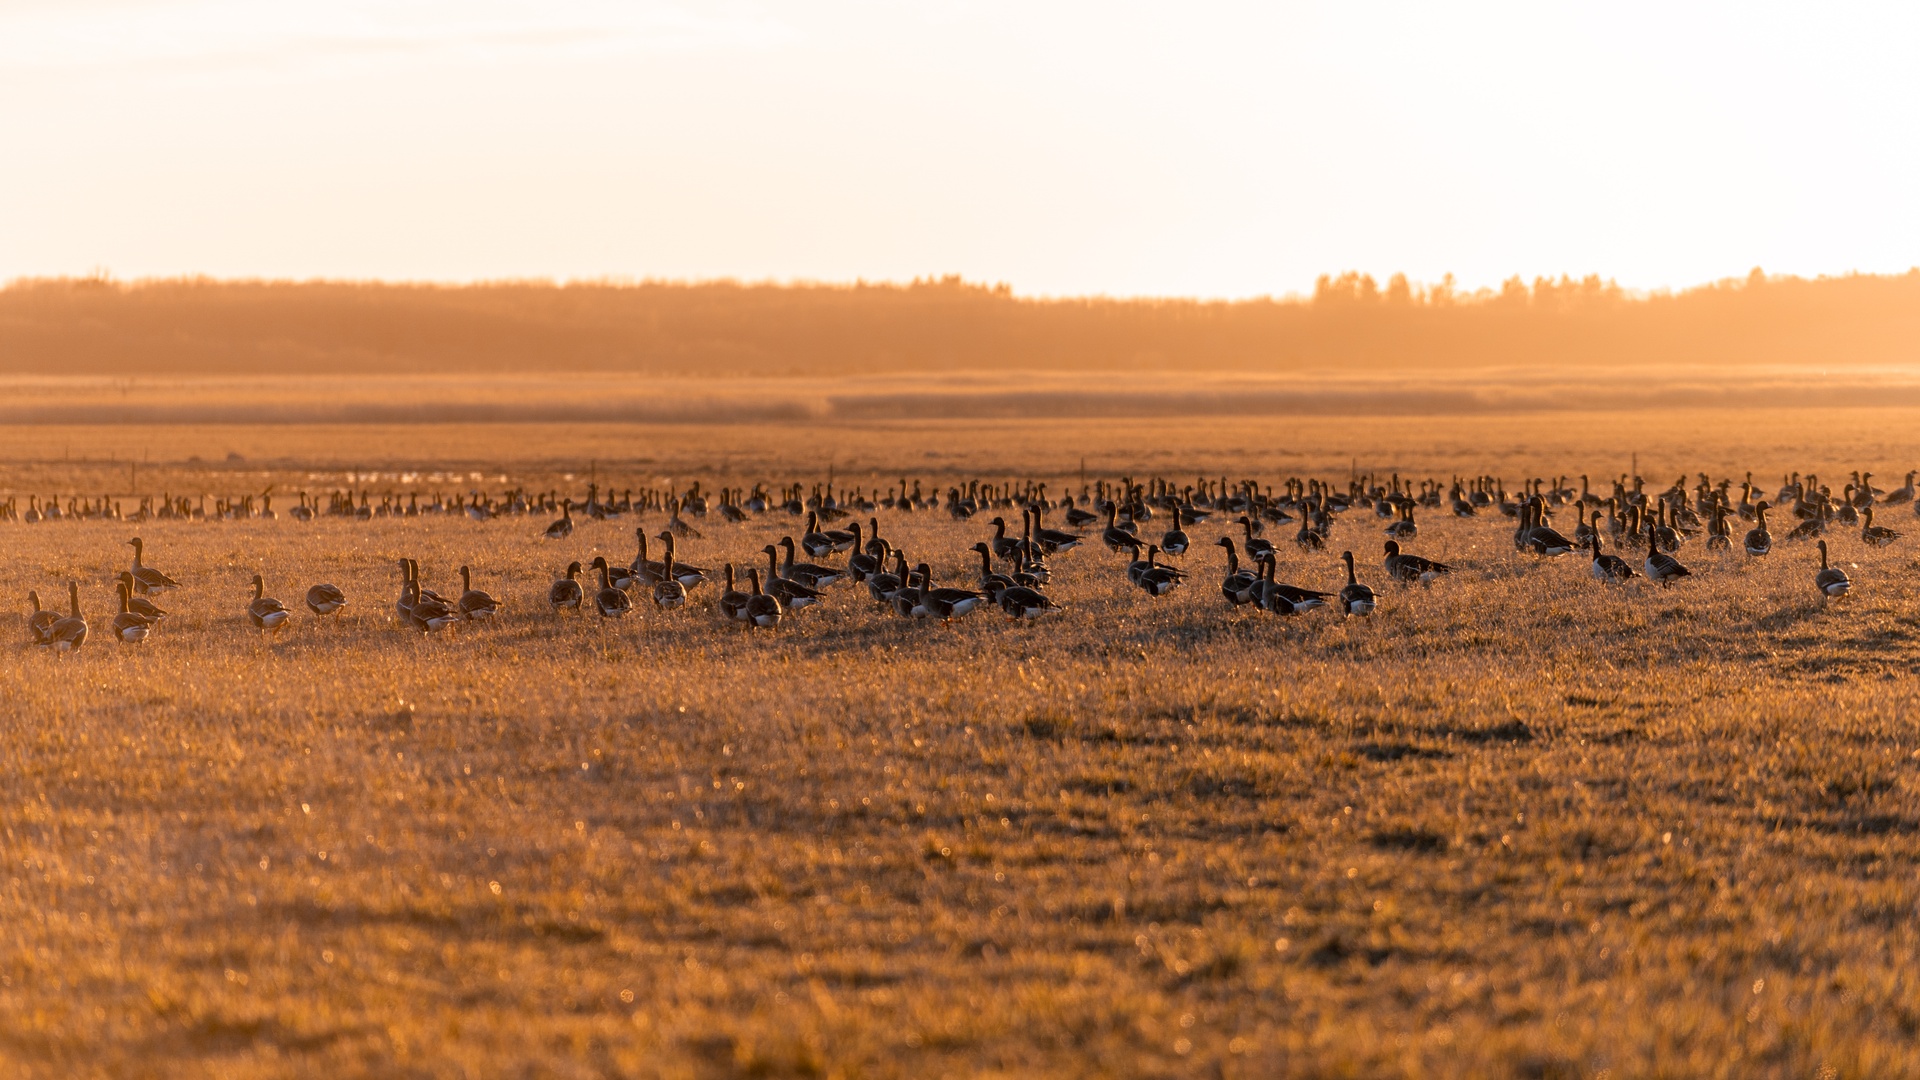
(814, 577)
(1078, 518)
(1665, 536)
(610, 602)
(1116, 536)
(1176, 541)
(687, 575)
(1355, 599)
(1157, 580)
(145, 578)
(1831, 580)
(1609, 569)
(1661, 567)
(1257, 548)
(762, 611)
(325, 599)
(1876, 535)
(39, 621)
(864, 561)
(642, 572)
(1238, 585)
(1053, 540)
(946, 604)
(140, 605)
(566, 592)
(129, 627)
(474, 605)
(1543, 539)
(1408, 569)
(1004, 546)
(422, 592)
(430, 613)
(669, 593)
(793, 595)
(1308, 538)
(1717, 538)
(1811, 527)
(1026, 602)
(68, 634)
(1759, 541)
(562, 527)
(991, 583)
(264, 611)
(733, 602)
(819, 544)
(1404, 528)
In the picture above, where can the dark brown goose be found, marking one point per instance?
(1831, 580)
(1355, 599)
(325, 599)
(610, 602)
(1759, 541)
(566, 594)
(733, 602)
(1408, 569)
(475, 605)
(762, 611)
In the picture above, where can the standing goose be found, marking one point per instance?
(1238, 585)
(946, 604)
(1609, 569)
(1661, 567)
(675, 570)
(562, 526)
(610, 602)
(1176, 541)
(1115, 535)
(566, 592)
(1408, 569)
(265, 612)
(1053, 540)
(1901, 494)
(1158, 580)
(429, 613)
(884, 584)
(1875, 535)
(1831, 580)
(1355, 599)
(1025, 602)
(1759, 541)
(145, 578)
(668, 593)
(474, 605)
(864, 562)
(991, 583)
(403, 607)
(140, 605)
(762, 611)
(733, 602)
(68, 634)
(1543, 539)
(812, 576)
(129, 627)
(39, 622)
(1257, 547)
(642, 571)
(325, 599)
(792, 595)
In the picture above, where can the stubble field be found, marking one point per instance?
(1513, 824)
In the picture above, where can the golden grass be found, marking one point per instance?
(1515, 824)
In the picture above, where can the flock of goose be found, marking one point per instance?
(1014, 568)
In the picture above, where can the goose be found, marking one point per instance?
(1811, 527)
(884, 584)
(641, 572)
(1080, 519)
(1273, 593)
(566, 592)
(688, 576)
(1831, 580)
(1117, 536)
(265, 612)
(1176, 541)
(792, 595)
(1759, 541)
(68, 634)
(145, 578)
(818, 544)
(1404, 528)
(1307, 538)
(1257, 548)
(325, 599)
(1664, 535)
(39, 622)
(1661, 567)
(562, 526)
(140, 605)
(991, 583)
(733, 602)
(610, 602)
(669, 592)
(421, 591)
(875, 546)
(1408, 569)
(129, 627)
(429, 613)
(762, 611)
(474, 605)
(946, 604)
(813, 577)
(1025, 602)
(862, 562)
(908, 600)
(1717, 537)
(1158, 580)
(1543, 539)
(1238, 585)
(1053, 541)
(1609, 569)
(1004, 546)
(1901, 494)
(1876, 535)
(403, 607)
(1355, 599)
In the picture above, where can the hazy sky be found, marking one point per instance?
(1172, 148)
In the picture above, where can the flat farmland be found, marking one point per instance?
(1515, 823)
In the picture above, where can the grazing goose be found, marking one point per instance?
(68, 634)
(325, 599)
(1238, 585)
(1026, 602)
(1609, 569)
(566, 592)
(733, 602)
(1759, 541)
(669, 593)
(39, 622)
(812, 576)
(145, 578)
(792, 595)
(610, 602)
(1408, 569)
(1307, 538)
(1831, 580)
(1661, 567)
(129, 627)
(563, 525)
(474, 605)
(946, 604)
(687, 575)
(1355, 599)
(1876, 535)
(264, 611)
(762, 611)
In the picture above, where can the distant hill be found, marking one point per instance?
(1350, 324)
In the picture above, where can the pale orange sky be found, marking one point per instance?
(1194, 149)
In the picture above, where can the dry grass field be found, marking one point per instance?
(1515, 824)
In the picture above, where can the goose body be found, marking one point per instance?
(264, 611)
(562, 526)
(1238, 585)
(610, 602)
(146, 579)
(1024, 602)
(475, 605)
(1609, 569)
(1661, 567)
(762, 612)
(1408, 569)
(1875, 535)
(325, 599)
(733, 602)
(1759, 541)
(1831, 580)
(566, 594)
(69, 633)
(1355, 599)
(129, 627)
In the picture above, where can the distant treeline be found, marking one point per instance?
(1351, 323)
